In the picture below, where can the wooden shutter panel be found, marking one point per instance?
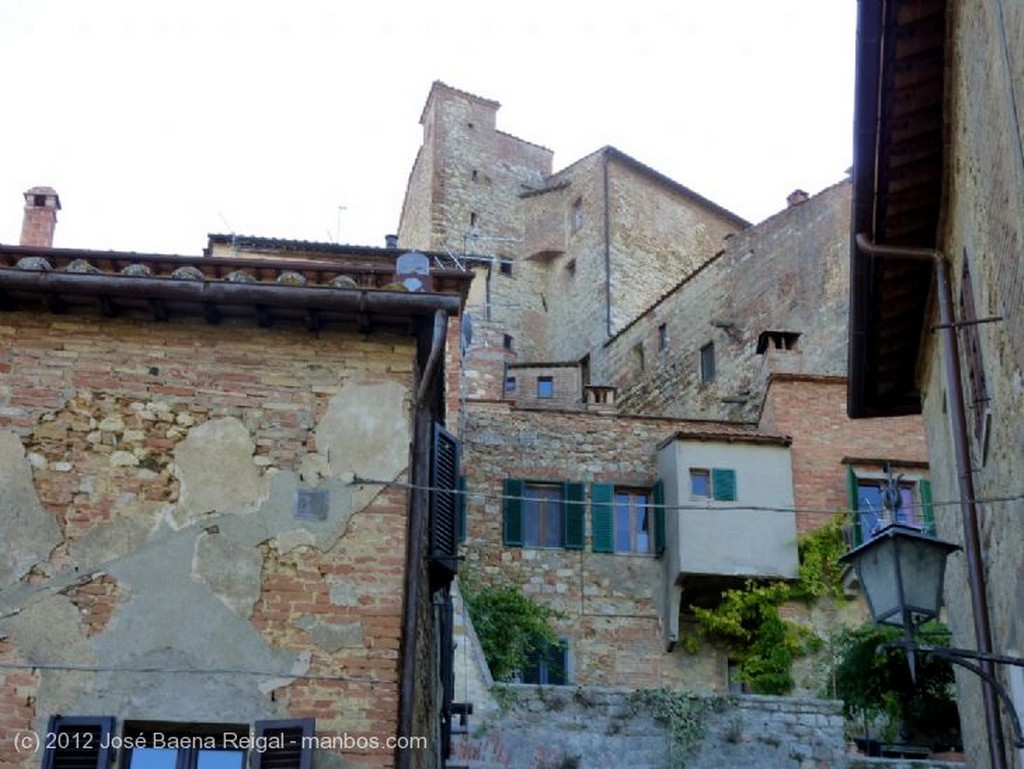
(602, 517)
(512, 529)
(78, 742)
(289, 744)
(573, 513)
(444, 480)
(658, 495)
(723, 484)
(927, 511)
(853, 501)
(460, 510)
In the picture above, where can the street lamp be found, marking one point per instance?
(901, 572)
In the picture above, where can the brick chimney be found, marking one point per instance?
(796, 197)
(40, 219)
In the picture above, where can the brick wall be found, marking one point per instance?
(103, 409)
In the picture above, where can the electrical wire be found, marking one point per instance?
(668, 508)
(69, 667)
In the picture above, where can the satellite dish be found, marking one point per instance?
(412, 270)
(466, 333)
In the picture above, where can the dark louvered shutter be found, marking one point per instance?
(602, 517)
(512, 529)
(444, 483)
(77, 743)
(572, 516)
(658, 494)
(288, 744)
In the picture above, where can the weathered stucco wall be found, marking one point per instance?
(153, 475)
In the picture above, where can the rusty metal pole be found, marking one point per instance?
(965, 481)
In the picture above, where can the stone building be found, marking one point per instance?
(939, 170)
(617, 469)
(217, 541)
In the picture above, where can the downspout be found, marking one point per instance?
(965, 481)
(607, 252)
(419, 503)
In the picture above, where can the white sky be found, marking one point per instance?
(158, 123)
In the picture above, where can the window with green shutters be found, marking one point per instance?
(543, 514)
(864, 492)
(716, 483)
(627, 520)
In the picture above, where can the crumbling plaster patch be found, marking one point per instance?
(217, 474)
(28, 531)
(231, 571)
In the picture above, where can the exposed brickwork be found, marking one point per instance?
(102, 404)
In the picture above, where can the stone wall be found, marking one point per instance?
(594, 726)
(787, 274)
(984, 220)
(154, 474)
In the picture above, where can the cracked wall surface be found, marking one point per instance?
(152, 487)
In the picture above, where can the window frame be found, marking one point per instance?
(632, 510)
(541, 661)
(550, 382)
(721, 483)
(923, 517)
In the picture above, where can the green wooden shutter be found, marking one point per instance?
(460, 510)
(572, 516)
(723, 484)
(602, 517)
(927, 511)
(854, 502)
(658, 493)
(513, 528)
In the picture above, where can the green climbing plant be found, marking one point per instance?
(510, 625)
(685, 714)
(748, 620)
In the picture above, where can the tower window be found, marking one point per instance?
(707, 362)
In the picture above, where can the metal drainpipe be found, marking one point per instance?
(414, 548)
(965, 481)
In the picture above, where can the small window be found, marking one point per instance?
(577, 214)
(474, 175)
(545, 387)
(700, 483)
(39, 201)
(507, 341)
(548, 666)
(570, 267)
(510, 384)
(734, 676)
(472, 219)
(634, 521)
(707, 362)
(542, 516)
(505, 267)
(662, 337)
(776, 340)
(713, 483)
(638, 356)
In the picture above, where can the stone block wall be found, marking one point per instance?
(151, 473)
(786, 274)
(597, 726)
(984, 222)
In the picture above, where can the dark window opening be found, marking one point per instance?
(577, 214)
(474, 175)
(549, 666)
(39, 201)
(505, 267)
(506, 341)
(707, 362)
(510, 384)
(776, 340)
(663, 337)
(638, 356)
(545, 387)
(472, 219)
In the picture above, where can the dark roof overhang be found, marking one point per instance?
(272, 292)
(897, 197)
